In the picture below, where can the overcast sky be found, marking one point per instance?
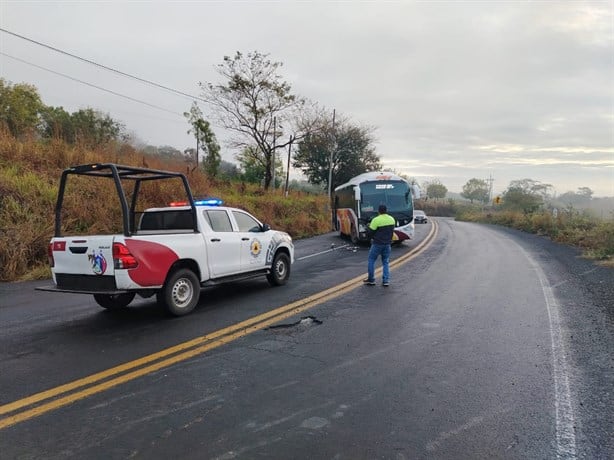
(455, 90)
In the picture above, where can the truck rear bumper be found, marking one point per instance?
(81, 291)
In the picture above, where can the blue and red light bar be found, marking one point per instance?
(204, 202)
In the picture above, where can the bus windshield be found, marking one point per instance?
(394, 194)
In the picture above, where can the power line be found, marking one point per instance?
(92, 85)
(103, 66)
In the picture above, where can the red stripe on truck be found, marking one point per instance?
(154, 262)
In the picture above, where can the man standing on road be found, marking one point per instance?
(382, 228)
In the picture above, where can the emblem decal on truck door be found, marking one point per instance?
(255, 247)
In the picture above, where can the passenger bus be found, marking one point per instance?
(356, 202)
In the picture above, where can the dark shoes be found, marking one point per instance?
(369, 282)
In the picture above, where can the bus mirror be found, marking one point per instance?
(357, 193)
(415, 189)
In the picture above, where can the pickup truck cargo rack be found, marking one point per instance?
(119, 173)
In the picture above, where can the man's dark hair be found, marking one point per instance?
(382, 208)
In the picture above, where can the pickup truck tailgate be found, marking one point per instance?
(83, 263)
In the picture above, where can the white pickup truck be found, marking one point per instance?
(169, 251)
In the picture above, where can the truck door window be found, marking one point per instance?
(246, 223)
(218, 220)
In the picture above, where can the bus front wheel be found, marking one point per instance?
(353, 235)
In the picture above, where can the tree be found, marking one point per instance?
(581, 199)
(57, 123)
(205, 138)
(353, 153)
(167, 151)
(585, 192)
(93, 128)
(525, 195)
(88, 126)
(435, 189)
(476, 190)
(229, 170)
(254, 169)
(253, 104)
(20, 107)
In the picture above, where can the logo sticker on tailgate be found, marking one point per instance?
(99, 263)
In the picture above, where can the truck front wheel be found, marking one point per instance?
(180, 292)
(280, 270)
(114, 301)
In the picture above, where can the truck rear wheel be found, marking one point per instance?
(114, 301)
(180, 292)
(280, 270)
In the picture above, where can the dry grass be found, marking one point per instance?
(29, 179)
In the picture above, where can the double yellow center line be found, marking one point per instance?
(54, 398)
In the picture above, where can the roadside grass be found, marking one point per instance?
(29, 179)
(593, 236)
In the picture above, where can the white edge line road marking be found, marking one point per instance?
(564, 413)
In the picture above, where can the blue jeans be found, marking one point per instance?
(375, 251)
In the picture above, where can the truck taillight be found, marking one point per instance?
(50, 255)
(55, 246)
(122, 258)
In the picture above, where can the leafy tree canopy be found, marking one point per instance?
(166, 151)
(585, 192)
(254, 169)
(352, 150)
(436, 190)
(205, 139)
(229, 170)
(583, 198)
(93, 128)
(20, 107)
(86, 126)
(476, 190)
(254, 103)
(526, 195)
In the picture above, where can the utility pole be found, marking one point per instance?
(490, 181)
(288, 166)
(330, 160)
(330, 173)
(197, 145)
(273, 152)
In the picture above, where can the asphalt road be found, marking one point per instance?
(489, 343)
